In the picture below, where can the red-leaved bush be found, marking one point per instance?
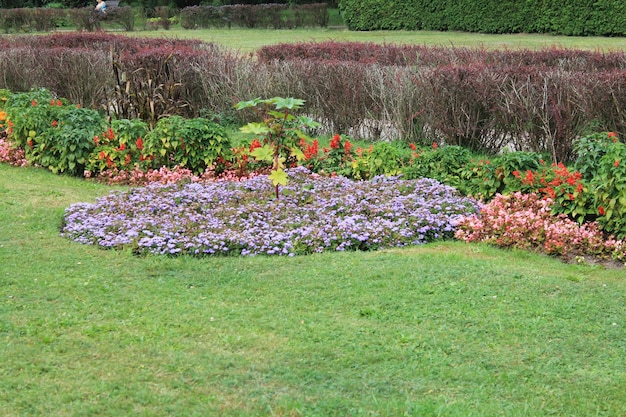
(525, 221)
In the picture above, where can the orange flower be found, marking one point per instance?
(3, 115)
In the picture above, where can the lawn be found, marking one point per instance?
(446, 328)
(440, 329)
(248, 40)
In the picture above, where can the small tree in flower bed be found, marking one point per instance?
(315, 214)
(526, 221)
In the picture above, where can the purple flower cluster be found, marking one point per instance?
(313, 214)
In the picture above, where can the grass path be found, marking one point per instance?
(248, 40)
(444, 329)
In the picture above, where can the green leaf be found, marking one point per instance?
(297, 152)
(307, 122)
(255, 128)
(277, 114)
(287, 103)
(247, 104)
(278, 176)
(264, 153)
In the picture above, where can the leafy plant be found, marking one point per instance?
(446, 164)
(281, 132)
(195, 144)
(382, 158)
(120, 146)
(65, 146)
(590, 149)
(609, 183)
(28, 115)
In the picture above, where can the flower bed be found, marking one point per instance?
(314, 214)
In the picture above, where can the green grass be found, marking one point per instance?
(248, 40)
(444, 329)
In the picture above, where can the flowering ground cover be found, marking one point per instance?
(313, 214)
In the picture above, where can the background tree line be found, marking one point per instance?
(148, 3)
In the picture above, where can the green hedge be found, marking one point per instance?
(574, 17)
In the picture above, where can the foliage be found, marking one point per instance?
(447, 164)
(609, 184)
(281, 133)
(53, 134)
(526, 221)
(276, 16)
(590, 149)
(487, 100)
(119, 147)
(578, 17)
(382, 158)
(66, 145)
(194, 144)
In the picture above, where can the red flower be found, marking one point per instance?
(516, 174)
(96, 140)
(616, 163)
(121, 148)
(139, 143)
(127, 159)
(412, 146)
(52, 102)
(601, 211)
(310, 151)
(102, 155)
(570, 195)
(59, 103)
(346, 147)
(255, 144)
(30, 143)
(33, 103)
(335, 142)
(612, 135)
(435, 146)
(54, 123)
(530, 178)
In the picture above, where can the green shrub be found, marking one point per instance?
(446, 164)
(29, 115)
(190, 143)
(609, 183)
(119, 147)
(66, 145)
(383, 159)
